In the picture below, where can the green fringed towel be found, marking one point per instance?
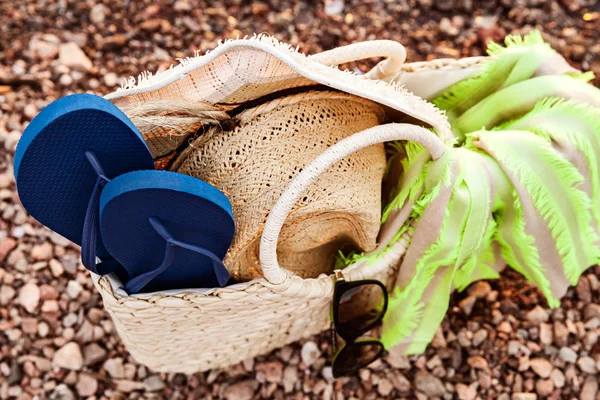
(521, 188)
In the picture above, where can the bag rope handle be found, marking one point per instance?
(394, 52)
(272, 271)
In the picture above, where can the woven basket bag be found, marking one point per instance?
(200, 329)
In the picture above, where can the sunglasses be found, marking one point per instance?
(358, 307)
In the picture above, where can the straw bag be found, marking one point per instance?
(200, 329)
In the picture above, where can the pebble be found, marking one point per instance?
(385, 387)
(558, 378)
(567, 355)
(86, 385)
(243, 390)
(541, 366)
(154, 383)
(128, 386)
(114, 368)
(7, 293)
(290, 377)
(524, 396)
(544, 387)
(71, 56)
(310, 353)
(56, 268)
(334, 7)
(29, 297)
(69, 357)
(587, 365)
(271, 371)
(93, 353)
(110, 79)
(589, 389)
(561, 334)
(98, 13)
(537, 315)
(592, 310)
(467, 304)
(477, 362)
(6, 246)
(546, 334)
(479, 289)
(465, 392)
(428, 384)
(74, 289)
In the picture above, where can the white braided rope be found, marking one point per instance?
(394, 51)
(378, 134)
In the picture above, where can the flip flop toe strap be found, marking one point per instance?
(137, 283)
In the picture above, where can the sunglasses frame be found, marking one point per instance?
(353, 338)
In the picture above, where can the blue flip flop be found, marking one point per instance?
(167, 230)
(67, 154)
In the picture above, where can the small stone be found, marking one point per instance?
(29, 297)
(428, 384)
(65, 80)
(272, 371)
(541, 367)
(479, 337)
(62, 392)
(561, 334)
(479, 289)
(128, 386)
(524, 396)
(87, 385)
(546, 334)
(465, 392)
(243, 390)
(48, 292)
(385, 387)
(43, 48)
(50, 306)
(98, 13)
(544, 387)
(29, 325)
(589, 389)
(524, 363)
(310, 353)
(467, 304)
(71, 56)
(587, 364)
(477, 362)
(69, 357)
(114, 42)
(592, 310)
(558, 378)
(114, 368)
(56, 268)
(6, 246)
(7, 293)
(42, 252)
(537, 315)
(583, 289)
(505, 327)
(93, 353)
(567, 355)
(182, 5)
(110, 79)
(290, 377)
(43, 329)
(334, 7)
(74, 289)
(154, 383)
(513, 347)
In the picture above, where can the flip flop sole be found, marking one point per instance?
(54, 178)
(193, 212)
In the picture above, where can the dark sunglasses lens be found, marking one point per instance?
(356, 356)
(359, 309)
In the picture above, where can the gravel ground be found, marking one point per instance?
(499, 340)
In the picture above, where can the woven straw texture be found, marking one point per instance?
(253, 163)
(197, 330)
